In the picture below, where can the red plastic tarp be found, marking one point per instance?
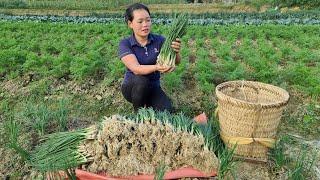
(176, 174)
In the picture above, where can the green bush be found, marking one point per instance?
(115, 69)
(37, 64)
(61, 65)
(91, 65)
(11, 61)
(173, 81)
(309, 3)
(13, 4)
(303, 78)
(204, 74)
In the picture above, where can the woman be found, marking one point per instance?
(141, 85)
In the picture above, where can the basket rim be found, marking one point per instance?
(223, 97)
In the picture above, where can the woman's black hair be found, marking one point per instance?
(128, 16)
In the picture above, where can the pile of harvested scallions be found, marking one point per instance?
(129, 146)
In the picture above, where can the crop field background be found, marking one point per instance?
(61, 75)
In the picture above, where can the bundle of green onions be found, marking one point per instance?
(167, 55)
(59, 151)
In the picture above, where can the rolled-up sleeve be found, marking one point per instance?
(124, 48)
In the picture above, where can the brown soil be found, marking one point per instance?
(155, 8)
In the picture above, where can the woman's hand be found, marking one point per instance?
(169, 69)
(164, 69)
(176, 45)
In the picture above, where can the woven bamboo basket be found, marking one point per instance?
(249, 113)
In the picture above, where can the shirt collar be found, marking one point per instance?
(133, 40)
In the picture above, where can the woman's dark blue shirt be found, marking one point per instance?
(146, 55)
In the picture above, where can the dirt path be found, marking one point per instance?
(155, 8)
